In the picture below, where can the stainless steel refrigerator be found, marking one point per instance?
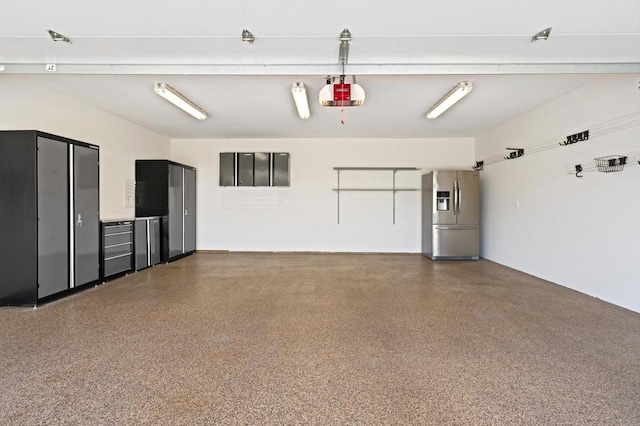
(451, 215)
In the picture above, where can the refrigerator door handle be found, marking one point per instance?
(455, 197)
(459, 196)
(456, 228)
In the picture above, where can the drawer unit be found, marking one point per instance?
(117, 248)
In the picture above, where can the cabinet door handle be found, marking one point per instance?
(79, 222)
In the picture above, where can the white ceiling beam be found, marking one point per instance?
(324, 69)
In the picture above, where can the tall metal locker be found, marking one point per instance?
(167, 189)
(189, 210)
(49, 190)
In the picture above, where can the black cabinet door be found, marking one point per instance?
(280, 169)
(261, 170)
(245, 169)
(227, 169)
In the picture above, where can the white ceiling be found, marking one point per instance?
(407, 54)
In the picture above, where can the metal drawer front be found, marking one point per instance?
(115, 229)
(117, 265)
(117, 250)
(114, 239)
(451, 241)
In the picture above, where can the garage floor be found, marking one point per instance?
(321, 339)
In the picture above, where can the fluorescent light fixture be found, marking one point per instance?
(179, 100)
(458, 92)
(300, 98)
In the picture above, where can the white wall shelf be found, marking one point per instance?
(393, 188)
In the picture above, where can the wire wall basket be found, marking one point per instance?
(611, 163)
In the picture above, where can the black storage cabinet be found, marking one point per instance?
(168, 189)
(49, 216)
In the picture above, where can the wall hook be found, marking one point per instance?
(517, 153)
(578, 137)
(578, 170)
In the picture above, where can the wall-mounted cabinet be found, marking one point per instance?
(168, 190)
(49, 220)
(254, 169)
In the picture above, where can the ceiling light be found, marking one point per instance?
(542, 35)
(247, 36)
(179, 100)
(57, 36)
(300, 98)
(454, 95)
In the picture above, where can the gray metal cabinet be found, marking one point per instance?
(117, 248)
(189, 210)
(176, 210)
(168, 190)
(280, 170)
(147, 242)
(86, 215)
(254, 169)
(261, 169)
(245, 169)
(49, 192)
(53, 217)
(227, 169)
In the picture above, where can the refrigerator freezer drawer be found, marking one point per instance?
(456, 242)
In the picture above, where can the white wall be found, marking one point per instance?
(29, 105)
(581, 233)
(305, 219)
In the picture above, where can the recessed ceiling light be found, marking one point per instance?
(55, 36)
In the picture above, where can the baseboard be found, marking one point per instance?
(301, 252)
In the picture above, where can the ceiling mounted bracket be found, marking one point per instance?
(542, 35)
(345, 39)
(55, 36)
(248, 36)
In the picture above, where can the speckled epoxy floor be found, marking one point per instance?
(321, 339)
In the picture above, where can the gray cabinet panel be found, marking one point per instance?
(53, 217)
(141, 255)
(117, 265)
(189, 210)
(86, 215)
(280, 169)
(227, 169)
(154, 241)
(261, 169)
(245, 169)
(176, 210)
